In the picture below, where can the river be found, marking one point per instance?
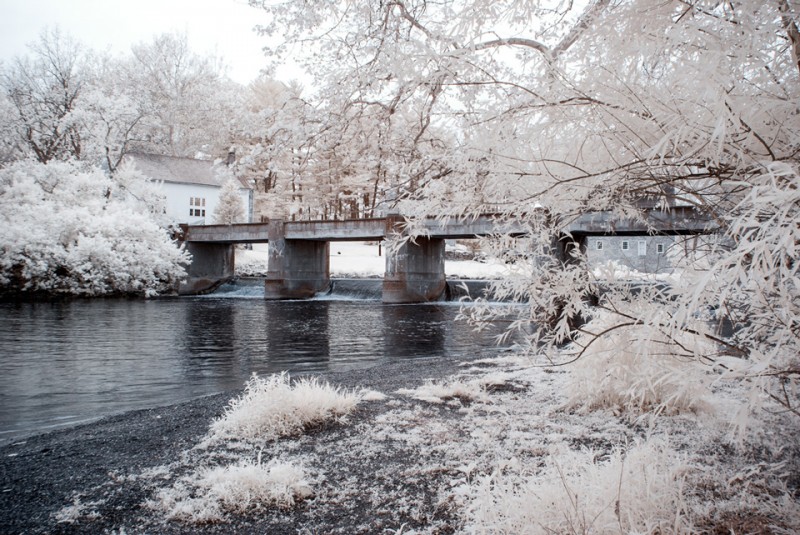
(64, 363)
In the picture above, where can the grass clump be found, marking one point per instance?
(208, 494)
(464, 390)
(275, 406)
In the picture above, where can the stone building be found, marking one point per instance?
(646, 254)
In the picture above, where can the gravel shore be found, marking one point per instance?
(95, 470)
(421, 458)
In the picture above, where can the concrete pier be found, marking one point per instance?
(415, 274)
(297, 269)
(212, 264)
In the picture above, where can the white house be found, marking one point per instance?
(191, 187)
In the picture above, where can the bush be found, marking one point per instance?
(638, 491)
(70, 229)
(633, 369)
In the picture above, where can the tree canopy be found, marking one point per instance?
(545, 110)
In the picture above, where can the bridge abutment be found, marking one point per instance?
(212, 264)
(296, 269)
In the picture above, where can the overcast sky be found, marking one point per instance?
(224, 27)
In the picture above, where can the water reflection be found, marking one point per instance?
(297, 335)
(61, 363)
(413, 330)
(208, 344)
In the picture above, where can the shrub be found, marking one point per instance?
(638, 491)
(634, 369)
(70, 229)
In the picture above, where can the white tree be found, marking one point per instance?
(189, 102)
(45, 93)
(230, 208)
(545, 110)
(10, 144)
(66, 102)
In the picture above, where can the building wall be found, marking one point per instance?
(647, 254)
(181, 208)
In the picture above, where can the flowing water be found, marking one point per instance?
(68, 362)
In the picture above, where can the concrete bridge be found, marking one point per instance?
(298, 265)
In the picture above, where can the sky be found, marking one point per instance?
(222, 27)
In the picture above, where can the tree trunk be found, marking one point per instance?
(791, 30)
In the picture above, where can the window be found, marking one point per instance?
(197, 212)
(599, 245)
(660, 248)
(642, 248)
(625, 245)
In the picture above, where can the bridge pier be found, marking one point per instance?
(296, 269)
(415, 273)
(212, 264)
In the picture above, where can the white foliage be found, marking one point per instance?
(275, 406)
(635, 491)
(758, 283)
(208, 494)
(372, 395)
(70, 514)
(230, 208)
(433, 392)
(67, 228)
(633, 369)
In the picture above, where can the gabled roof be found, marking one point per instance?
(174, 169)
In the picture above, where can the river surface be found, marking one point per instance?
(69, 362)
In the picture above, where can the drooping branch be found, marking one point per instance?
(589, 15)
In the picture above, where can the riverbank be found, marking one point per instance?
(450, 446)
(98, 477)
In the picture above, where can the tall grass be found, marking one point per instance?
(275, 406)
(208, 494)
(638, 369)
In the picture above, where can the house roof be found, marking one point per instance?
(177, 170)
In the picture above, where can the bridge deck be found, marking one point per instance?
(682, 220)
